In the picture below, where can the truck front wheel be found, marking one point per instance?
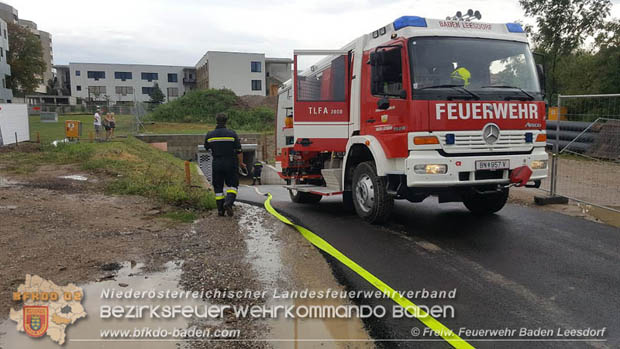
(370, 197)
(485, 203)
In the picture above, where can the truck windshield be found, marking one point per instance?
(490, 68)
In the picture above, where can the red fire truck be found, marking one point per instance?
(419, 107)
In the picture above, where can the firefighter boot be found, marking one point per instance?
(231, 195)
(220, 207)
(254, 181)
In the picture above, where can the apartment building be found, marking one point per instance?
(10, 15)
(124, 83)
(6, 95)
(243, 73)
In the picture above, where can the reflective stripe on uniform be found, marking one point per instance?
(219, 196)
(232, 191)
(221, 139)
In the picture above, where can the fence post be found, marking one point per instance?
(553, 198)
(556, 149)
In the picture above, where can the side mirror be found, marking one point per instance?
(541, 76)
(383, 104)
(402, 94)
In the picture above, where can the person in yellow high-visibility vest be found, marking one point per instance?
(227, 157)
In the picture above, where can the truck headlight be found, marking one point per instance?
(539, 164)
(430, 169)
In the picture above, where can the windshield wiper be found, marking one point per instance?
(456, 87)
(512, 87)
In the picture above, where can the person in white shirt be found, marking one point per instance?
(97, 123)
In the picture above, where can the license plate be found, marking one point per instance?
(492, 165)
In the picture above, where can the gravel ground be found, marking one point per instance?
(68, 231)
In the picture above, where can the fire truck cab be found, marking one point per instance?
(419, 107)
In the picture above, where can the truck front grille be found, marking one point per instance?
(471, 141)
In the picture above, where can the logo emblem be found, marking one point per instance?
(490, 133)
(35, 320)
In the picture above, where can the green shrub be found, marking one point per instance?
(201, 106)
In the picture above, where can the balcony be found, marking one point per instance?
(189, 80)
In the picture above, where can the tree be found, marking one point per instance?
(157, 96)
(562, 27)
(26, 60)
(52, 87)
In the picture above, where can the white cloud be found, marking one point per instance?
(180, 32)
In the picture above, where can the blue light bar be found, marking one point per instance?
(515, 28)
(409, 21)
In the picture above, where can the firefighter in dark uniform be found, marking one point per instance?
(258, 169)
(227, 157)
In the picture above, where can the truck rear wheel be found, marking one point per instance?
(485, 204)
(304, 198)
(301, 197)
(370, 197)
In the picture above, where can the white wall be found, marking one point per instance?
(136, 80)
(14, 118)
(232, 70)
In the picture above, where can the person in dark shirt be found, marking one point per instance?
(256, 173)
(227, 157)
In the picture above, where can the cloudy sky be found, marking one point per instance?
(180, 32)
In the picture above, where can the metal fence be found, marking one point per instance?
(586, 150)
(129, 119)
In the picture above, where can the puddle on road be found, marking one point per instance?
(608, 216)
(6, 183)
(89, 328)
(75, 177)
(265, 256)
(264, 250)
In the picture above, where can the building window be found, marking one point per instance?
(173, 78)
(3, 83)
(255, 67)
(96, 75)
(123, 75)
(77, 73)
(1, 52)
(78, 87)
(5, 34)
(147, 90)
(96, 90)
(173, 92)
(149, 76)
(256, 85)
(124, 90)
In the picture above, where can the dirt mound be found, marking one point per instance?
(251, 101)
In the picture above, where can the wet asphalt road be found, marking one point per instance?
(522, 268)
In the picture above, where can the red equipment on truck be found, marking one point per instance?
(419, 107)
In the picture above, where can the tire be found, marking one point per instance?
(485, 204)
(370, 198)
(301, 197)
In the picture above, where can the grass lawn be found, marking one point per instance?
(129, 166)
(51, 131)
